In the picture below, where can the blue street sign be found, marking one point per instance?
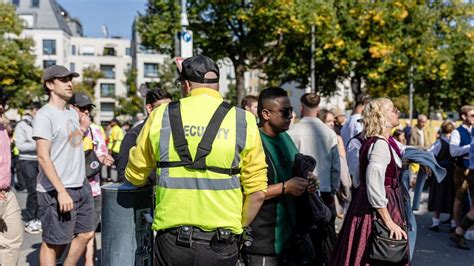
(187, 37)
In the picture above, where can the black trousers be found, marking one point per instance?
(28, 170)
(201, 252)
(324, 238)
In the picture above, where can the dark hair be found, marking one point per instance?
(447, 127)
(397, 133)
(156, 95)
(310, 100)
(267, 95)
(114, 120)
(248, 100)
(323, 114)
(34, 105)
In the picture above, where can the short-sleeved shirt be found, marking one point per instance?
(62, 128)
(116, 136)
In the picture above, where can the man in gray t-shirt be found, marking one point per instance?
(65, 200)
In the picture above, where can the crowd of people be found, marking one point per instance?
(252, 185)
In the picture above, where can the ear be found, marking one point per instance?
(463, 116)
(266, 114)
(149, 108)
(50, 85)
(186, 88)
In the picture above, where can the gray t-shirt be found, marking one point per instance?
(62, 128)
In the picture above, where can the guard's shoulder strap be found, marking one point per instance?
(205, 146)
(179, 139)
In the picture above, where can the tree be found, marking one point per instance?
(246, 32)
(90, 75)
(133, 103)
(19, 78)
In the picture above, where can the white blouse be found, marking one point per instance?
(379, 159)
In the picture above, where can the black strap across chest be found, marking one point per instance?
(205, 146)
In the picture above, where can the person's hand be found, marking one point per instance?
(3, 195)
(427, 170)
(106, 160)
(65, 202)
(84, 121)
(296, 186)
(396, 231)
(313, 182)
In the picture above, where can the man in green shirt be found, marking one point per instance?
(274, 225)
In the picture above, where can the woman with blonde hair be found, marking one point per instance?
(378, 194)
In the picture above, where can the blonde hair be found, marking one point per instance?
(375, 116)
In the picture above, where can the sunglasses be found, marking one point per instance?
(285, 112)
(85, 108)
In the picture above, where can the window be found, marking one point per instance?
(48, 63)
(151, 70)
(49, 47)
(28, 20)
(128, 51)
(16, 2)
(109, 51)
(87, 50)
(72, 67)
(108, 71)
(73, 50)
(35, 3)
(107, 90)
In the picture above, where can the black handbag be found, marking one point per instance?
(93, 165)
(385, 248)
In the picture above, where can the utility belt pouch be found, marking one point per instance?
(223, 235)
(185, 234)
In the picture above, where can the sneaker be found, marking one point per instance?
(460, 241)
(469, 235)
(38, 224)
(32, 228)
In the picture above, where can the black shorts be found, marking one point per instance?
(60, 228)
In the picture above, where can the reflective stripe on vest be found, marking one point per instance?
(164, 179)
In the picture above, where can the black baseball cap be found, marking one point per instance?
(80, 99)
(57, 71)
(195, 68)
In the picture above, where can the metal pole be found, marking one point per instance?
(313, 68)
(410, 115)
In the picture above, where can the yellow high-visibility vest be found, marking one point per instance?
(200, 198)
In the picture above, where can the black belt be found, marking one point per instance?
(185, 235)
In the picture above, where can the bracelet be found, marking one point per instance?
(283, 187)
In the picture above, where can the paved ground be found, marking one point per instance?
(431, 248)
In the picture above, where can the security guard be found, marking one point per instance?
(207, 154)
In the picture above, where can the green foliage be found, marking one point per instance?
(90, 75)
(19, 78)
(246, 32)
(131, 105)
(231, 95)
(379, 46)
(131, 81)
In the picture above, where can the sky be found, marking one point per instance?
(117, 15)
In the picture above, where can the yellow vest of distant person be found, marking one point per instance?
(179, 190)
(116, 136)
